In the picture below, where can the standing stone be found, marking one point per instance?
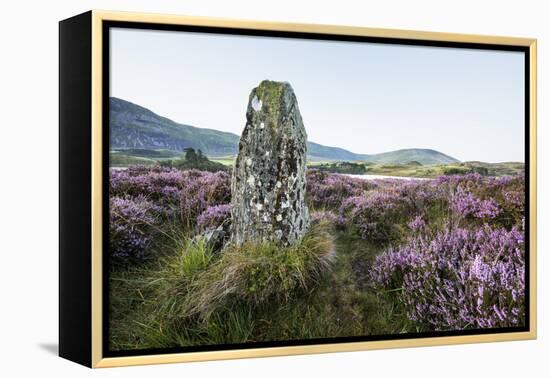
(269, 178)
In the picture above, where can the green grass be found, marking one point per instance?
(225, 160)
(136, 156)
(255, 273)
(256, 292)
(121, 160)
(146, 153)
(341, 167)
(415, 169)
(431, 171)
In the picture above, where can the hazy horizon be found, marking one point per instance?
(364, 97)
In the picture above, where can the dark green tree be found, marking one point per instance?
(191, 155)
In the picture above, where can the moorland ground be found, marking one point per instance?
(381, 257)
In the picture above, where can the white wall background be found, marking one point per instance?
(28, 200)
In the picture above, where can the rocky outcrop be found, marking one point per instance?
(269, 178)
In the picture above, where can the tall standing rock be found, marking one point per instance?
(269, 178)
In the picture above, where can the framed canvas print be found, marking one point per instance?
(235, 189)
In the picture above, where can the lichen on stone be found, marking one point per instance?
(268, 183)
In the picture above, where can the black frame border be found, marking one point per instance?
(105, 83)
(75, 201)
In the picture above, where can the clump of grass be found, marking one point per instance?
(177, 273)
(194, 256)
(255, 273)
(194, 296)
(252, 293)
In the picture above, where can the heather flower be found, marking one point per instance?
(329, 190)
(328, 216)
(184, 193)
(466, 204)
(461, 279)
(213, 216)
(375, 214)
(131, 226)
(201, 190)
(417, 223)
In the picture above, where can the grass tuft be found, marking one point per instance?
(255, 273)
(252, 293)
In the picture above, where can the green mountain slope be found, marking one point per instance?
(318, 152)
(135, 128)
(420, 155)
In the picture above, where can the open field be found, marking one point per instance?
(127, 157)
(225, 160)
(123, 158)
(135, 156)
(432, 171)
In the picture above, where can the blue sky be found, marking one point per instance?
(367, 98)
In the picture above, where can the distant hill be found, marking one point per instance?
(135, 128)
(417, 155)
(318, 152)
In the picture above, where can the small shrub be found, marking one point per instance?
(326, 216)
(375, 215)
(466, 204)
(213, 216)
(328, 191)
(161, 185)
(461, 279)
(475, 199)
(342, 167)
(131, 226)
(201, 190)
(417, 223)
(194, 160)
(456, 171)
(182, 195)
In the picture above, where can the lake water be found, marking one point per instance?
(378, 177)
(362, 177)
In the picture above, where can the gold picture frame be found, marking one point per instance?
(92, 24)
